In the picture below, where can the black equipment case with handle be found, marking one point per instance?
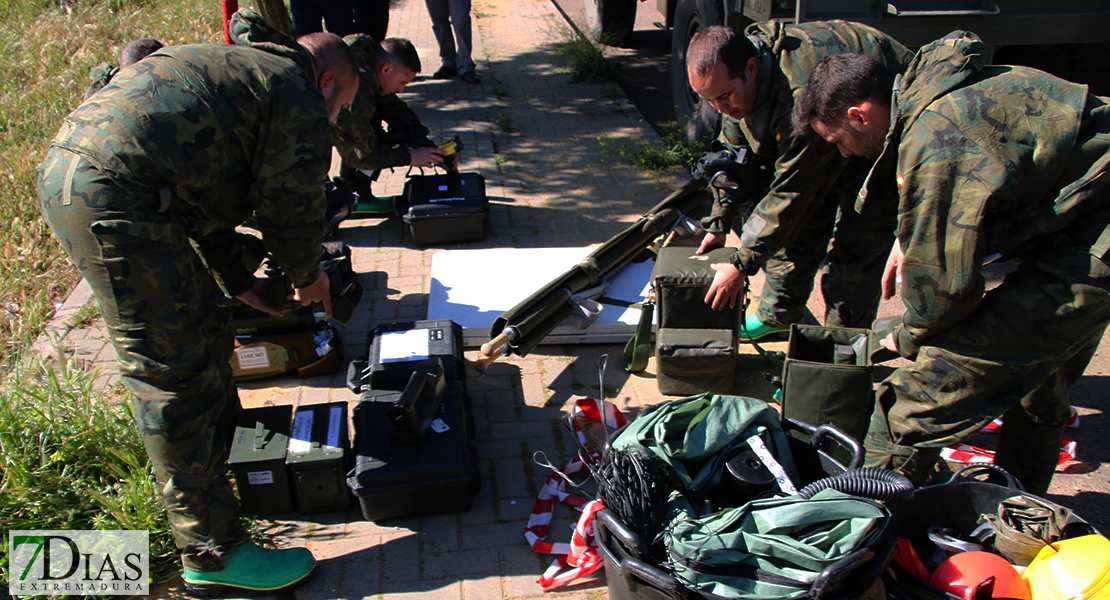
(441, 338)
(441, 209)
(438, 475)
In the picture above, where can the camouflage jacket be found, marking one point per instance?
(100, 76)
(988, 160)
(802, 167)
(359, 135)
(203, 148)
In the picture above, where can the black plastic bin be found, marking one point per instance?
(630, 574)
(956, 505)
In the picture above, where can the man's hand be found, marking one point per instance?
(317, 292)
(889, 343)
(892, 273)
(726, 286)
(255, 296)
(426, 157)
(711, 241)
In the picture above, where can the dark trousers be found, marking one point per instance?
(337, 16)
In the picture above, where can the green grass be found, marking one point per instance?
(72, 459)
(504, 123)
(588, 63)
(84, 316)
(652, 158)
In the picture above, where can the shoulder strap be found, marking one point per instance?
(638, 349)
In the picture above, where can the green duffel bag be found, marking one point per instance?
(692, 361)
(784, 548)
(694, 435)
(828, 378)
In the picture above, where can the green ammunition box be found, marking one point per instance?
(258, 460)
(317, 457)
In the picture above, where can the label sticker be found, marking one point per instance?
(260, 477)
(403, 346)
(439, 426)
(254, 357)
(335, 421)
(301, 438)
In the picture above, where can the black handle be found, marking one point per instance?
(843, 439)
(612, 528)
(636, 572)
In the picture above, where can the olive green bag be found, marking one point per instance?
(828, 377)
(780, 548)
(695, 346)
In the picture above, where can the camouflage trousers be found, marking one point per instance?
(172, 339)
(1017, 356)
(854, 247)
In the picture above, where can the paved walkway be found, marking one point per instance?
(537, 138)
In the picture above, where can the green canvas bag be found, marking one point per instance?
(695, 346)
(694, 436)
(828, 378)
(776, 548)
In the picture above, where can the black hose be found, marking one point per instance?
(868, 482)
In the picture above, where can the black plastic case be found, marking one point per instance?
(444, 340)
(441, 209)
(439, 475)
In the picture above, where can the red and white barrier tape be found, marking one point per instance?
(580, 555)
(968, 454)
(1073, 421)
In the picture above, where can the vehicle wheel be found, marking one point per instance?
(610, 21)
(699, 121)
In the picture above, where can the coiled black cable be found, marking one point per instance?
(634, 487)
(868, 482)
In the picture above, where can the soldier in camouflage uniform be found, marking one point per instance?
(360, 136)
(133, 52)
(990, 162)
(752, 81)
(143, 186)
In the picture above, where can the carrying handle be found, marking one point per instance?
(613, 529)
(992, 471)
(259, 436)
(634, 571)
(401, 413)
(817, 439)
(845, 568)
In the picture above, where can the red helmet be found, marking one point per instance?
(980, 576)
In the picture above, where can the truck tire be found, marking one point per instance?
(698, 120)
(610, 22)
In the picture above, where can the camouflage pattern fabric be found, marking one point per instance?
(100, 76)
(790, 229)
(992, 160)
(359, 134)
(143, 178)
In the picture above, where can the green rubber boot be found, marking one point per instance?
(754, 329)
(254, 568)
(373, 205)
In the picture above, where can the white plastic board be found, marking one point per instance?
(473, 287)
